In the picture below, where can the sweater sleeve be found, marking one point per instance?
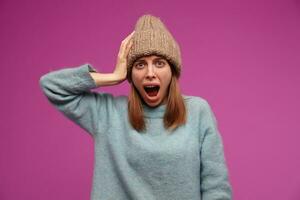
(68, 89)
(215, 183)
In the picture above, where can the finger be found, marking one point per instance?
(129, 46)
(123, 47)
(129, 36)
(129, 43)
(123, 51)
(126, 44)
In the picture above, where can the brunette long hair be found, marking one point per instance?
(175, 114)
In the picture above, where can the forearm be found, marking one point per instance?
(106, 79)
(59, 84)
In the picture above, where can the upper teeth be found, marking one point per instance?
(150, 86)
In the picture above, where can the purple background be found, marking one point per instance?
(242, 56)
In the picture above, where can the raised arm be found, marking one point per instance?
(68, 89)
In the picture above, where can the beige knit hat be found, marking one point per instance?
(151, 37)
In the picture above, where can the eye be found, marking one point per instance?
(160, 63)
(139, 65)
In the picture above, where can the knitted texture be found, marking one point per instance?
(151, 37)
(188, 164)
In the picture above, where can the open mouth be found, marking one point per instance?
(151, 90)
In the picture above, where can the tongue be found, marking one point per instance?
(152, 93)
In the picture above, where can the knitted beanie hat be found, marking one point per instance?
(151, 37)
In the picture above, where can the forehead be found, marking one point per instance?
(151, 57)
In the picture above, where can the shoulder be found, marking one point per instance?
(198, 106)
(196, 102)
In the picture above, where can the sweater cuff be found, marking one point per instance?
(86, 81)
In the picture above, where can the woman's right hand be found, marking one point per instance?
(120, 71)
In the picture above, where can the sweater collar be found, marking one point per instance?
(154, 112)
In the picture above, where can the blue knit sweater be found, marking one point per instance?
(187, 164)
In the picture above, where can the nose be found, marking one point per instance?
(150, 72)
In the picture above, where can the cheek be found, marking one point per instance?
(136, 78)
(167, 84)
(167, 78)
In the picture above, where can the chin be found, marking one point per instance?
(152, 103)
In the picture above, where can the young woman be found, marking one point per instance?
(154, 144)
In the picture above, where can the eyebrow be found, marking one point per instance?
(143, 59)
